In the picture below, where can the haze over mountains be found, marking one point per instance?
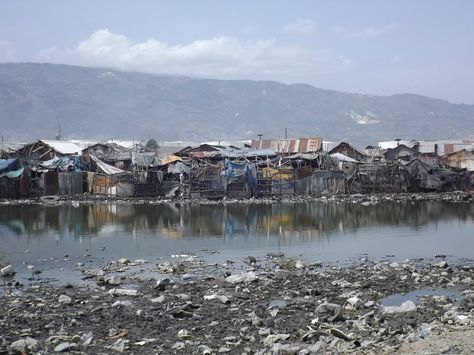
(91, 103)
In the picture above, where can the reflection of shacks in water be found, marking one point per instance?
(309, 220)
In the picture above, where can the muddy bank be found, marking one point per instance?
(271, 305)
(367, 199)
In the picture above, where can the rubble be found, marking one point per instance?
(7, 271)
(273, 308)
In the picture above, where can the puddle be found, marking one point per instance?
(414, 296)
(277, 304)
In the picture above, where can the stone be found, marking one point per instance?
(113, 280)
(124, 304)
(250, 260)
(123, 292)
(86, 339)
(7, 271)
(354, 301)
(162, 284)
(204, 349)
(339, 334)
(330, 311)
(183, 296)
(224, 299)
(369, 304)
(299, 264)
(160, 299)
(123, 261)
(24, 345)
(178, 345)
(406, 306)
(63, 299)
(119, 345)
(61, 347)
(244, 277)
(141, 262)
(274, 338)
(441, 264)
(183, 333)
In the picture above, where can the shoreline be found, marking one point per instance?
(367, 199)
(267, 305)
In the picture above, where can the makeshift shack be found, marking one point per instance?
(14, 182)
(318, 182)
(44, 150)
(348, 150)
(240, 179)
(57, 176)
(109, 180)
(207, 182)
(275, 181)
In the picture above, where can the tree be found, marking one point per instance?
(152, 144)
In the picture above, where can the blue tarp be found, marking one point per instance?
(62, 164)
(14, 174)
(7, 165)
(235, 170)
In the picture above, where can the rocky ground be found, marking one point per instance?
(369, 199)
(270, 306)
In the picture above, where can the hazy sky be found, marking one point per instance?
(374, 47)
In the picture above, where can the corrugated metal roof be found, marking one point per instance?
(63, 147)
(249, 153)
(11, 147)
(166, 159)
(342, 157)
(289, 145)
(124, 144)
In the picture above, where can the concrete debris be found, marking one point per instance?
(406, 306)
(63, 299)
(25, 345)
(123, 292)
(7, 271)
(330, 309)
(244, 277)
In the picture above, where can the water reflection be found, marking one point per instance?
(303, 220)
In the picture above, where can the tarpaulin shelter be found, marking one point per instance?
(110, 180)
(240, 179)
(14, 183)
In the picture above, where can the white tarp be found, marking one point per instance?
(106, 168)
(342, 157)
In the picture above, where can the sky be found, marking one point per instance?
(377, 47)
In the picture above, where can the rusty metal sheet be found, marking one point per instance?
(289, 145)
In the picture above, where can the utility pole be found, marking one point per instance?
(58, 137)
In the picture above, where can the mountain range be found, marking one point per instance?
(97, 103)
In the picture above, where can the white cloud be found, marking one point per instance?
(302, 26)
(367, 32)
(7, 52)
(221, 57)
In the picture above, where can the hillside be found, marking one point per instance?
(103, 103)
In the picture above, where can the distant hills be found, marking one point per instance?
(101, 103)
